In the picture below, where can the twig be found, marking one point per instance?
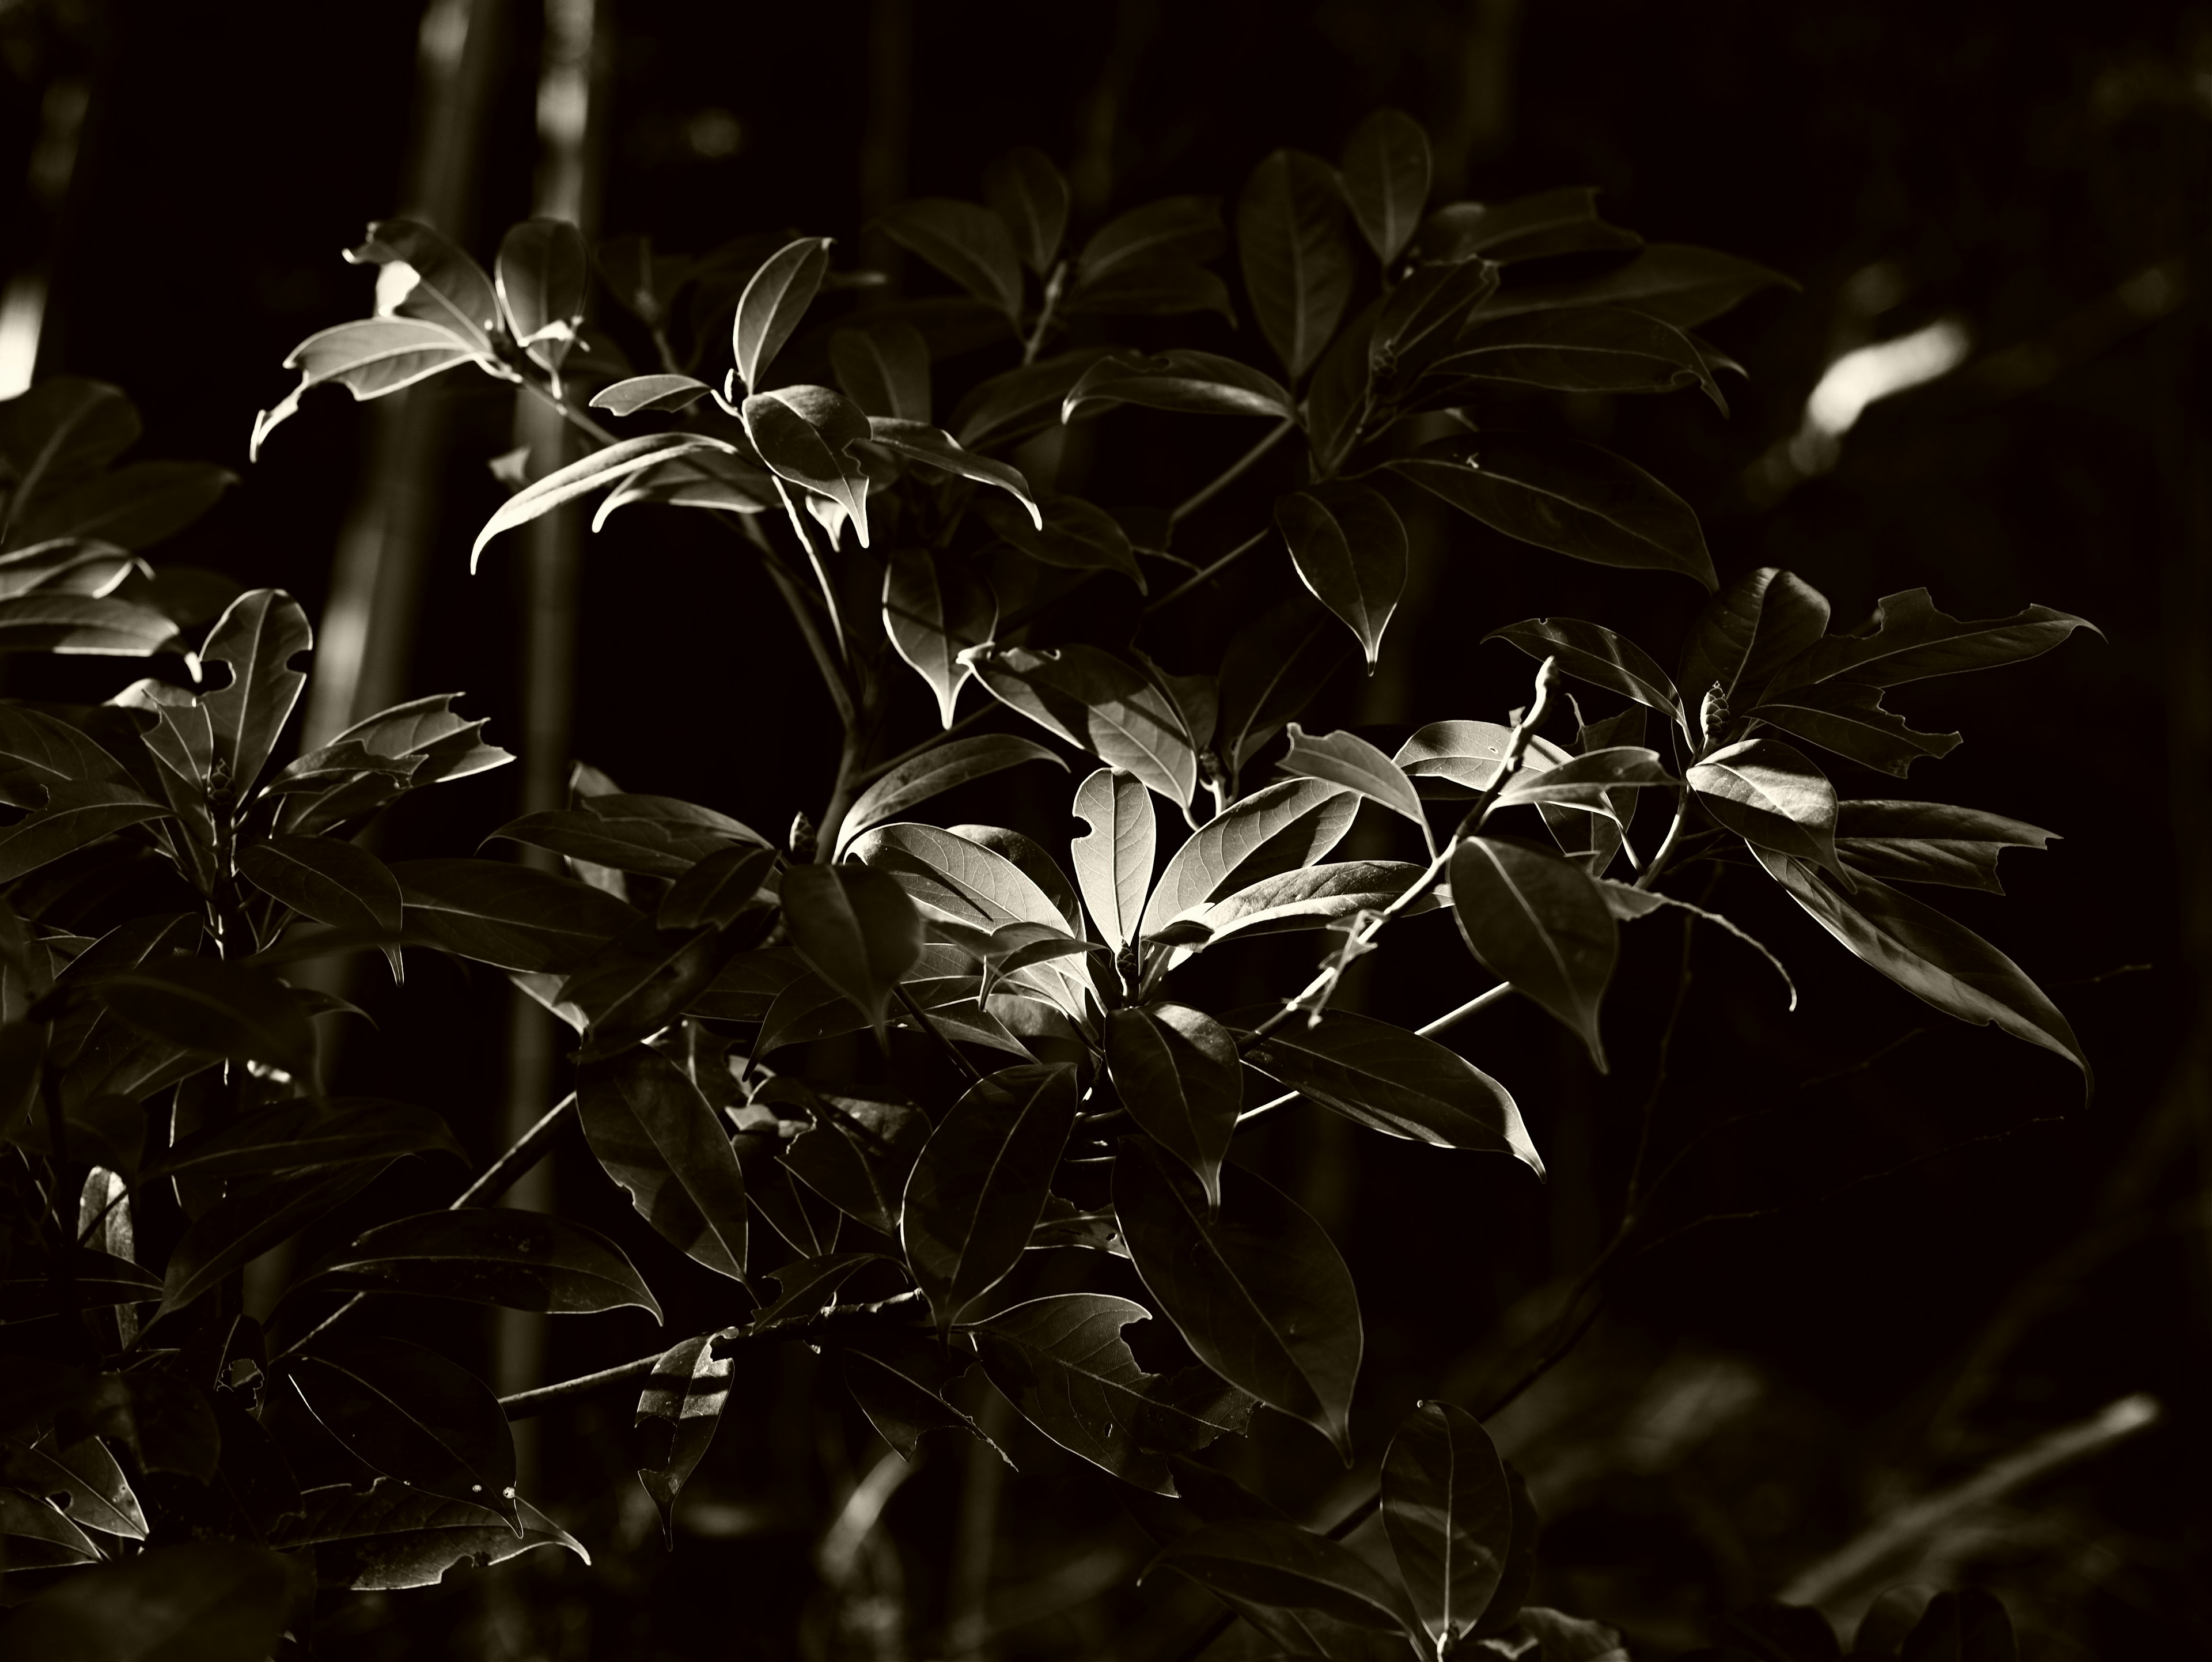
(1450, 1018)
(1053, 286)
(1649, 874)
(975, 1075)
(525, 1404)
(1228, 475)
(1207, 574)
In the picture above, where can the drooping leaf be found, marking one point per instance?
(1076, 535)
(596, 471)
(968, 242)
(1907, 639)
(425, 276)
(1589, 349)
(1682, 284)
(1063, 1365)
(856, 927)
(1196, 383)
(1176, 1071)
(1284, 827)
(206, 1004)
(1930, 842)
(1256, 1287)
(917, 440)
(1295, 256)
(1385, 173)
(981, 1184)
(655, 1135)
(523, 1260)
(1347, 760)
(74, 815)
(412, 1413)
(252, 1217)
(713, 893)
(1100, 704)
(884, 367)
(201, 1601)
(1538, 921)
(310, 1131)
(1592, 652)
(370, 358)
(1031, 196)
(686, 1390)
(130, 507)
(1349, 546)
(953, 763)
(1592, 782)
(1449, 1513)
(773, 303)
(1261, 1562)
(1396, 1082)
(1114, 859)
(1771, 795)
(392, 1537)
(899, 1381)
(257, 636)
(1849, 719)
(1628, 903)
(1937, 959)
(1748, 630)
(510, 916)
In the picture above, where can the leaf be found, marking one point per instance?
(856, 927)
(1849, 719)
(969, 243)
(1197, 383)
(809, 1287)
(1939, 961)
(1257, 1289)
(655, 1135)
(1969, 1625)
(1589, 349)
(687, 1390)
(1538, 921)
(1565, 495)
(413, 1415)
(1768, 793)
(1628, 903)
(805, 434)
(429, 278)
(1071, 533)
(83, 623)
(1422, 316)
(652, 835)
(257, 636)
(1448, 1511)
(954, 877)
(1177, 1073)
(35, 743)
(205, 1004)
(1396, 1082)
(1063, 1365)
(1170, 288)
(1930, 842)
(308, 1132)
(1386, 180)
(130, 507)
(1173, 230)
(1674, 281)
(1591, 652)
(1279, 1565)
(510, 916)
(596, 471)
(1349, 546)
(1097, 704)
(1348, 760)
(341, 884)
(1748, 630)
(1272, 670)
(61, 431)
(1317, 895)
(201, 1601)
(1296, 258)
(253, 1216)
(1570, 1638)
(884, 367)
(74, 815)
(1589, 782)
(1023, 399)
(98, 1279)
(918, 441)
(1554, 221)
(161, 1417)
(1284, 827)
(370, 358)
(773, 303)
(1113, 860)
(938, 770)
(933, 612)
(392, 1537)
(898, 1379)
(1030, 196)
(34, 1535)
(541, 276)
(858, 1155)
(85, 1474)
(981, 1184)
(1908, 640)
(627, 398)
(523, 1260)
(716, 892)
(1034, 863)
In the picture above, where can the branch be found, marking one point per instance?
(1231, 474)
(1207, 573)
(959, 1061)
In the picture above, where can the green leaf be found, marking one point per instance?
(1386, 180)
(429, 278)
(341, 884)
(202, 1601)
(510, 916)
(1674, 281)
(1272, 670)
(596, 471)
(1930, 842)
(1590, 349)
(627, 398)
(805, 434)
(1565, 495)
(1347, 760)
(652, 835)
(934, 609)
(1349, 546)
(309, 1131)
(969, 243)
(1284, 827)
(1031, 196)
(523, 1260)
(1538, 921)
(856, 927)
(1907, 640)
(1773, 797)
(715, 892)
(253, 1216)
(773, 303)
(1939, 961)
(1097, 704)
(1257, 1289)
(410, 1414)
(920, 442)
(205, 1004)
(655, 1135)
(1448, 1511)
(391, 1536)
(1849, 719)
(83, 625)
(1113, 860)
(1023, 399)
(1068, 533)
(541, 276)
(981, 1184)
(940, 769)
(1310, 899)
(131, 508)
(74, 815)
(1591, 652)
(687, 1391)
(1176, 1071)
(1295, 256)
(1748, 630)
(884, 367)
(1198, 383)
(1396, 1082)
(1062, 1363)
(1556, 221)
(1261, 1562)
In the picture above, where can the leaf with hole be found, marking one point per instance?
(1849, 719)
(412, 1413)
(100, 1496)
(1113, 860)
(1907, 639)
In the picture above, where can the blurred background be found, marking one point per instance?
(1907, 1312)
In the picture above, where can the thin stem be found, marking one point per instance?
(1450, 1018)
(841, 798)
(975, 1075)
(1651, 873)
(1228, 475)
(806, 535)
(525, 1404)
(1659, 1076)
(1052, 287)
(801, 608)
(1214, 571)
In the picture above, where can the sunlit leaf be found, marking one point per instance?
(1347, 760)
(74, 815)
(1114, 859)
(1313, 897)
(917, 440)
(130, 507)
(596, 471)
(1100, 704)
(856, 927)
(1592, 652)
(686, 1391)
(1849, 719)
(1773, 797)
(713, 892)
(1177, 1073)
(333, 882)
(774, 302)
(425, 276)
(627, 398)
(805, 433)
(541, 276)
(652, 836)
(392, 1537)
(1284, 827)
(1199, 383)
(939, 768)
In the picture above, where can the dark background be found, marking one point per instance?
(1762, 1388)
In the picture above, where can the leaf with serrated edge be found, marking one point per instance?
(1907, 639)
(1448, 1511)
(1931, 841)
(653, 1131)
(1537, 920)
(1849, 719)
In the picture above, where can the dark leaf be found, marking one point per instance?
(541, 276)
(1100, 704)
(627, 398)
(1591, 652)
(1773, 797)
(1449, 1513)
(1748, 630)
(1563, 1638)
(523, 1260)
(1930, 842)
(205, 1004)
(858, 1155)
(660, 1141)
(1386, 180)
(686, 1390)
(918, 441)
(202, 1601)
(1674, 281)
(1261, 1562)
(1198, 383)
(163, 1418)
(1907, 640)
(953, 763)
(773, 303)
(1849, 719)
(1257, 1289)
(85, 1474)
(899, 1381)
(652, 836)
(807, 1287)
(981, 1184)
(1590, 349)
(392, 1537)
(713, 892)
(934, 610)
(1628, 903)
(1023, 399)
(1421, 317)
(132, 508)
(98, 1279)
(1176, 1071)
(35, 744)
(1284, 827)
(1295, 256)
(61, 431)
(884, 367)
(1175, 229)
(341, 884)
(1074, 535)
(1347, 760)
(1114, 859)
(1272, 670)
(410, 1414)
(1562, 221)
(1538, 921)
(1030, 195)
(856, 927)
(1170, 288)
(253, 1216)
(33, 1534)
(1565, 495)
(1969, 1625)
(74, 815)
(805, 433)
(84, 624)
(317, 1131)
(510, 916)
(1349, 547)
(969, 243)
(1343, 398)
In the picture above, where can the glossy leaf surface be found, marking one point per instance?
(1296, 258)
(1100, 704)
(939, 768)
(686, 1390)
(1385, 175)
(412, 1413)
(1592, 652)
(856, 927)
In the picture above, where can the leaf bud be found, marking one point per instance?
(1713, 718)
(802, 837)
